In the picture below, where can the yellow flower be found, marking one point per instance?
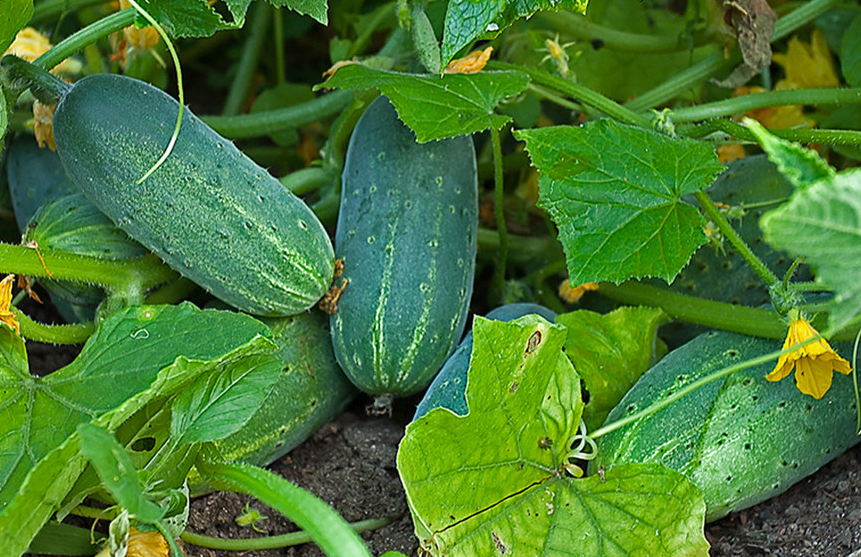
(807, 66)
(140, 38)
(147, 544)
(814, 363)
(573, 295)
(29, 44)
(6, 314)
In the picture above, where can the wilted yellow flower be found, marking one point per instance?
(29, 44)
(140, 38)
(473, 62)
(147, 544)
(6, 314)
(572, 295)
(807, 65)
(43, 124)
(814, 363)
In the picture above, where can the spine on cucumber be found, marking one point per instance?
(407, 237)
(208, 211)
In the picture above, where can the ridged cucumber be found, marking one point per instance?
(208, 211)
(73, 224)
(407, 236)
(448, 389)
(740, 439)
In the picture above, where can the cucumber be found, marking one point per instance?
(740, 439)
(448, 389)
(73, 224)
(406, 234)
(35, 176)
(208, 211)
(310, 392)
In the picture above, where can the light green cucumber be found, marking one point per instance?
(407, 237)
(208, 211)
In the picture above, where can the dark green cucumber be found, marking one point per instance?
(740, 439)
(310, 392)
(448, 389)
(208, 211)
(35, 176)
(73, 224)
(407, 236)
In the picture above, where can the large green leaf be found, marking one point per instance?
(495, 481)
(614, 191)
(437, 107)
(610, 352)
(14, 14)
(469, 20)
(119, 362)
(822, 223)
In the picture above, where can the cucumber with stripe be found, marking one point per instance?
(406, 234)
(208, 211)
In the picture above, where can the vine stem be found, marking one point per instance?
(73, 333)
(499, 212)
(88, 35)
(239, 88)
(583, 29)
(763, 272)
(834, 137)
(273, 542)
(743, 103)
(578, 92)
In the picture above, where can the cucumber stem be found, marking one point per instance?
(581, 28)
(247, 65)
(763, 272)
(834, 137)
(44, 85)
(263, 123)
(273, 542)
(743, 103)
(88, 35)
(306, 180)
(74, 333)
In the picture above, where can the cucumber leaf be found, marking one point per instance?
(14, 14)
(822, 223)
(614, 191)
(185, 18)
(120, 360)
(316, 9)
(800, 165)
(494, 481)
(610, 352)
(470, 20)
(117, 472)
(434, 106)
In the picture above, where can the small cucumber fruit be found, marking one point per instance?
(310, 392)
(35, 176)
(73, 224)
(740, 439)
(208, 211)
(406, 234)
(448, 389)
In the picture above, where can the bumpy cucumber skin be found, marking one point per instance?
(209, 211)
(407, 236)
(448, 389)
(741, 439)
(310, 392)
(35, 176)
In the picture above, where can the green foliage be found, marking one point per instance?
(800, 165)
(850, 53)
(822, 223)
(615, 192)
(437, 107)
(14, 14)
(610, 352)
(504, 464)
(468, 20)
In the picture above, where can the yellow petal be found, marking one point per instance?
(147, 544)
(807, 65)
(473, 62)
(813, 377)
(782, 369)
(6, 315)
